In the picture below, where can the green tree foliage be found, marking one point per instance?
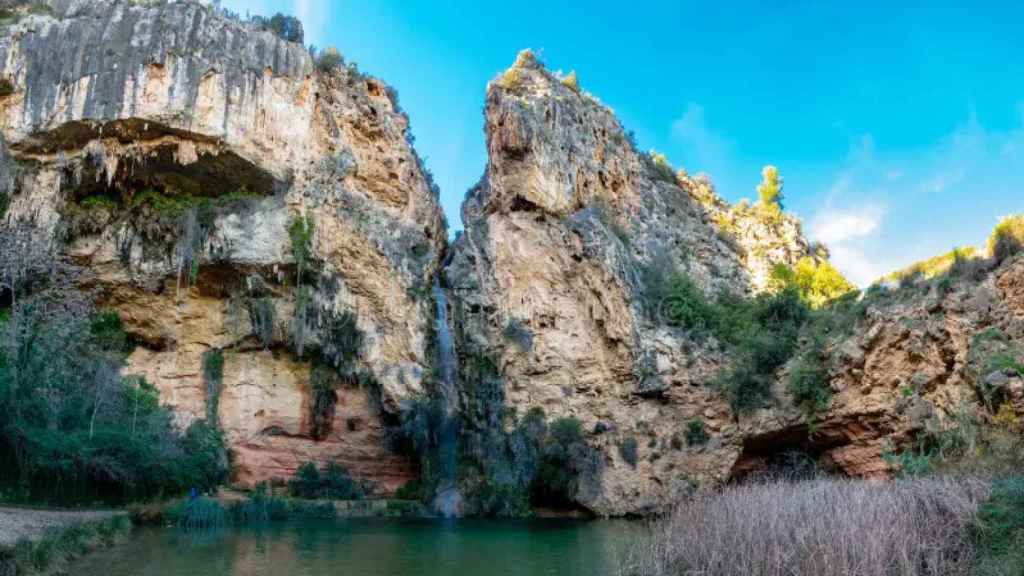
(818, 282)
(808, 382)
(1007, 239)
(334, 483)
(769, 191)
(71, 427)
(761, 333)
(287, 28)
(329, 61)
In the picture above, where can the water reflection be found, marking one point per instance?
(373, 548)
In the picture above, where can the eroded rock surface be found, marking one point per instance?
(549, 280)
(173, 150)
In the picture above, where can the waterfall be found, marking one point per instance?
(448, 500)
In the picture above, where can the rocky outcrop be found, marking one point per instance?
(568, 235)
(920, 358)
(550, 279)
(237, 202)
(180, 155)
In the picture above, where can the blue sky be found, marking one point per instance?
(898, 126)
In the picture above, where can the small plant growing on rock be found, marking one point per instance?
(329, 61)
(628, 449)
(808, 383)
(662, 168)
(300, 232)
(696, 433)
(213, 378)
(571, 82)
(1007, 238)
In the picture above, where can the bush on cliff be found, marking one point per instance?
(1007, 239)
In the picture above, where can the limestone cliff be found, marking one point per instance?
(549, 282)
(237, 201)
(184, 158)
(566, 234)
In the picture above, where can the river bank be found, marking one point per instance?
(36, 542)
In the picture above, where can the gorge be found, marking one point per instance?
(231, 196)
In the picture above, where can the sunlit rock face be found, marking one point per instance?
(172, 150)
(549, 282)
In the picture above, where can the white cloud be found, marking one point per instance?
(848, 233)
(840, 226)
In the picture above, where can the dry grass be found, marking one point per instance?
(825, 527)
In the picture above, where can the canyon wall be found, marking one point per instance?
(179, 155)
(567, 233)
(232, 199)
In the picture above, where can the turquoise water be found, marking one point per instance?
(372, 548)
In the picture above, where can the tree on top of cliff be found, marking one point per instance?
(770, 188)
(1007, 238)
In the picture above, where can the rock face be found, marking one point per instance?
(232, 201)
(562, 234)
(566, 234)
(174, 150)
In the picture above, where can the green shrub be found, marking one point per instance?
(662, 168)
(73, 430)
(1007, 239)
(571, 82)
(555, 482)
(685, 306)
(300, 232)
(696, 433)
(199, 514)
(334, 483)
(762, 335)
(628, 450)
(999, 530)
(261, 507)
(808, 383)
(411, 490)
(213, 378)
(287, 28)
(493, 499)
(108, 331)
(6, 86)
(819, 283)
(952, 263)
(329, 61)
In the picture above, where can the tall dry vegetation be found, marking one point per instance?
(823, 527)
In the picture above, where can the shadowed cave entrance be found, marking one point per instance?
(788, 453)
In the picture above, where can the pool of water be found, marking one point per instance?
(372, 548)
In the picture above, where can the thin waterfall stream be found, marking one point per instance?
(448, 500)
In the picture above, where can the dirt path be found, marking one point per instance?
(18, 523)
